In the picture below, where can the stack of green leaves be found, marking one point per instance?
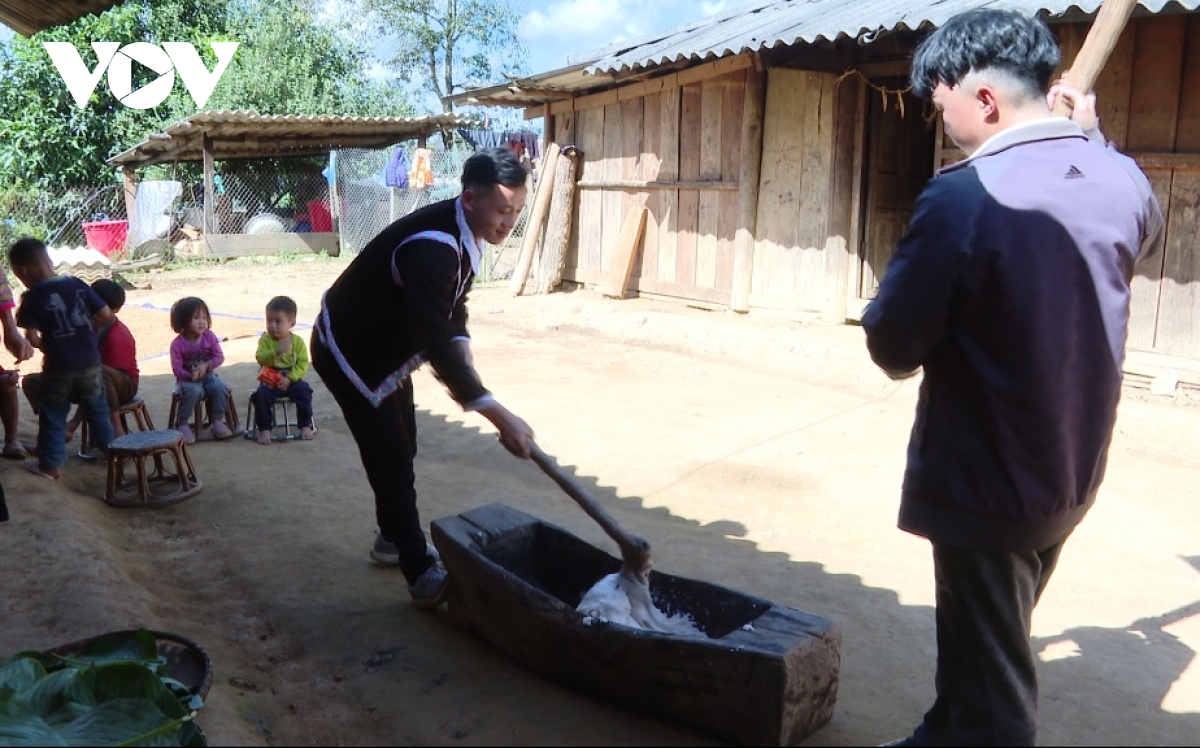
(116, 691)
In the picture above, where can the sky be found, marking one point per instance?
(554, 29)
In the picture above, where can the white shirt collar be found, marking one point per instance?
(469, 241)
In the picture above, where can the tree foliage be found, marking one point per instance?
(451, 45)
(287, 63)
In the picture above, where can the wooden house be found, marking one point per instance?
(779, 155)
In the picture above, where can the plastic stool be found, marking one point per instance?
(136, 448)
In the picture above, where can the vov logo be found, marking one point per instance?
(172, 57)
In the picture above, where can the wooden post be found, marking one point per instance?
(1102, 37)
(537, 215)
(558, 224)
(751, 167)
(129, 177)
(616, 280)
(210, 197)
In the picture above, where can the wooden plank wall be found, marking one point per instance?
(792, 267)
(674, 145)
(1147, 109)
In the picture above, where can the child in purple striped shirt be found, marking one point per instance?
(195, 356)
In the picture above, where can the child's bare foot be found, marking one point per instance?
(306, 433)
(264, 438)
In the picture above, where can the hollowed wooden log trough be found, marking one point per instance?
(763, 674)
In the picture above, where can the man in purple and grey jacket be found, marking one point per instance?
(1011, 291)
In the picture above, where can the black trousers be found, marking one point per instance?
(264, 397)
(986, 677)
(387, 443)
(3, 506)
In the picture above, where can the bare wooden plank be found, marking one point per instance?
(668, 170)
(1179, 299)
(712, 95)
(1187, 139)
(715, 68)
(650, 162)
(249, 245)
(700, 185)
(1146, 286)
(841, 195)
(781, 181)
(816, 153)
(616, 277)
(1176, 161)
(854, 280)
(590, 220)
(632, 120)
(749, 174)
(602, 99)
(611, 201)
(731, 159)
(1157, 74)
(689, 169)
(718, 297)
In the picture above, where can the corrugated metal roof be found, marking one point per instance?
(27, 17)
(245, 134)
(760, 26)
(772, 23)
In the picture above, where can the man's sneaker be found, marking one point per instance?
(387, 553)
(221, 430)
(429, 591)
(383, 551)
(188, 436)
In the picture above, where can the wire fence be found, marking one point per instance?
(253, 197)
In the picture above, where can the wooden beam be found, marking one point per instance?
(129, 179)
(635, 184)
(246, 245)
(753, 108)
(537, 216)
(1177, 161)
(210, 197)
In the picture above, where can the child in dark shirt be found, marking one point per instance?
(58, 314)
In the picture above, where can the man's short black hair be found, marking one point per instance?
(282, 304)
(493, 166)
(1019, 45)
(111, 292)
(27, 251)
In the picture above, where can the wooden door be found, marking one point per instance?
(900, 150)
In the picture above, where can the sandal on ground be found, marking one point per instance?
(15, 452)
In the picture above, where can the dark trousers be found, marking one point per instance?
(300, 393)
(3, 506)
(387, 443)
(986, 677)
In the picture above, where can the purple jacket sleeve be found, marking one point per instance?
(212, 347)
(177, 359)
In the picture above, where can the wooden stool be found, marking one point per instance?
(135, 407)
(138, 446)
(203, 416)
(287, 424)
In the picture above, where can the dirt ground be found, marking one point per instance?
(755, 452)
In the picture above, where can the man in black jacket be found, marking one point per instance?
(1010, 290)
(401, 303)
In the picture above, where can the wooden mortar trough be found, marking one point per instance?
(764, 674)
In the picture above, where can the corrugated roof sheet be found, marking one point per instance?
(763, 25)
(771, 23)
(245, 134)
(27, 17)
